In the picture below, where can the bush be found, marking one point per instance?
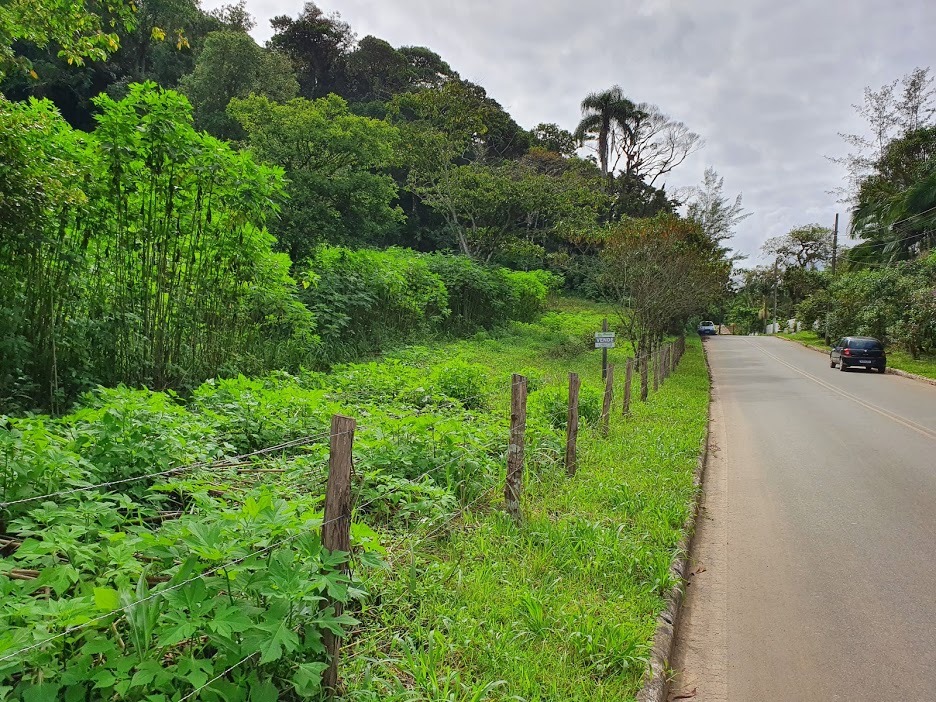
(551, 404)
(255, 413)
(465, 382)
(529, 291)
(364, 300)
(895, 304)
(125, 433)
(478, 297)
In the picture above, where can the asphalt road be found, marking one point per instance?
(815, 557)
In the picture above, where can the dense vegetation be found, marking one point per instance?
(150, 587)
(202, 243)
(188, 204)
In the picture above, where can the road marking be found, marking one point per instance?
(909, 423)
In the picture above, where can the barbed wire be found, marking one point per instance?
(220, 463)
(216, 678)
(205, 573)
(226, 462)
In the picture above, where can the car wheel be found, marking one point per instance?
(831, 364)
(883, 369)
(842, 366)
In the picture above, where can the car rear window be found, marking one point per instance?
(865, 344)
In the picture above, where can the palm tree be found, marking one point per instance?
(896, 226)
(602, 113)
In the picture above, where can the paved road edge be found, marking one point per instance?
(656, 683)
(892, 371)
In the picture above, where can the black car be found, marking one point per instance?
(858, 352)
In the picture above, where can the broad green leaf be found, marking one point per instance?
(280, 638)
(106, 599)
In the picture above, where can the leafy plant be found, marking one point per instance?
(463, 381)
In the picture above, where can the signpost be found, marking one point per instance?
(604, 340)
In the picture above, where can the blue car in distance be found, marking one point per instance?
(707, 328)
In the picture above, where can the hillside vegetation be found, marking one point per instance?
(151, 586)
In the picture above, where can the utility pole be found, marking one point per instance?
(776, 280)
(834, 244)
(828, 339)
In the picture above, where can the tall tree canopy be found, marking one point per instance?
(336, 165)
(316, 43)
(231, 65)
(708, 206)
(603, 113)
(79, 29)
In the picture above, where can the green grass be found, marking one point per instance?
(925, 365)
(463, 605)
(564, 605)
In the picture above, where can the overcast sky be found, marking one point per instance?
(767, 84)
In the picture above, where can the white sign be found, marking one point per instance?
(604, 340)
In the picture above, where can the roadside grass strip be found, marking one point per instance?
(159, 548)
(564, 605)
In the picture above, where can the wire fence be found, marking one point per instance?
(663, 359)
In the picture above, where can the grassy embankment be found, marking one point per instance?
(925, 365)
(562, 607)
(469, 606)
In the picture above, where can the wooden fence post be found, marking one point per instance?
(608, 397)
(656, 370)
(644, 390)
(628, 378)
(571, 459)
(336, 527)
(513, 486)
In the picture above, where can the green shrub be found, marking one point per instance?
(364, 300)
(551, 404)
(255, 413)
(529, 291)
(462, 381)
(125, 433)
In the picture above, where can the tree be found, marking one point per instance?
(428, 68)
(651, 144)
(374, 70)
(802, 247)
(603, 112)
(712, 210)
(231, 65)
(336, 164)
(235, 16)
(143, 256)
(632, 197)
(889, 114)
(161, 46)
(657, 273)
(75, 26)
(553, 138)
(895, 211)
(316, 44)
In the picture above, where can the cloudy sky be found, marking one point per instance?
(768, 84)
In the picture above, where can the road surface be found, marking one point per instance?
(815, 557)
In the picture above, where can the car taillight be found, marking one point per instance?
(846, 352)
